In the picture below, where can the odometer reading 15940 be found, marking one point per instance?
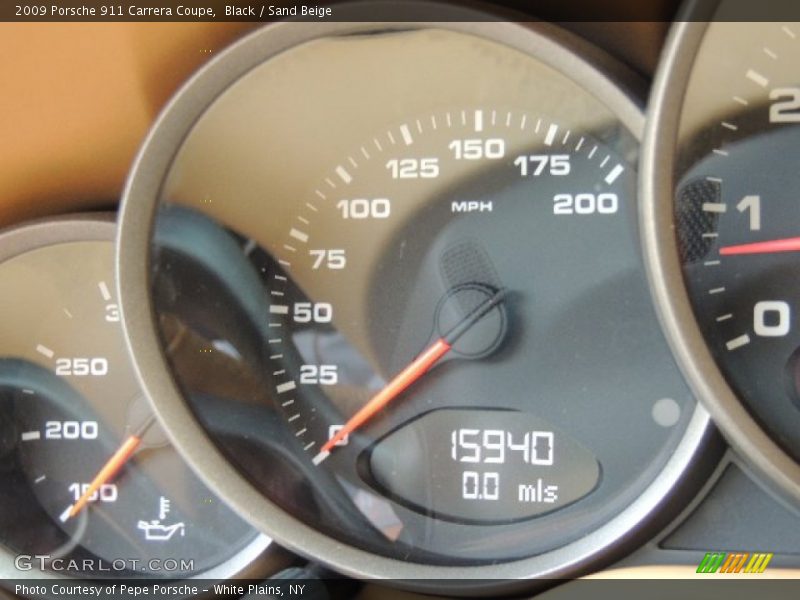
(514, 461)
(495, 446)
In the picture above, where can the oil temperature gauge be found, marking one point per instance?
(86, 467)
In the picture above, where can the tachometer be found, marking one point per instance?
(719, 174)
(428, 348)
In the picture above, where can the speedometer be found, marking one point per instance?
(426, 293)
(446, 303)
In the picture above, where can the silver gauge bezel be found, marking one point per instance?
(251, 561)
(656, 192)
(593, 70)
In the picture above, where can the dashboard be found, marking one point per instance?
(413, 299)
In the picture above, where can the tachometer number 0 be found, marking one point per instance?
(772, 318)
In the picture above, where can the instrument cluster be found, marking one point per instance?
(432, 298)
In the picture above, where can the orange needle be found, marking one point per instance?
(393, 389)
(411, 373)
(111, 468)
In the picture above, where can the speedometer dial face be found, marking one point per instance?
(414, 322)
(737, 226)
(87, 469)
(426, 293)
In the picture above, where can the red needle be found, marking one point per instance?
(768, 247)
(411, 373)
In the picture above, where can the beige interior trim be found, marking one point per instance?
(78, 99)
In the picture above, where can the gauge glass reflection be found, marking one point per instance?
(412, 331)
(91, 471)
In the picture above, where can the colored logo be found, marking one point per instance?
(734, 562)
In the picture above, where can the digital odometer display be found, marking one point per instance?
(483, 465)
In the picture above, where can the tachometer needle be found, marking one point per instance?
(412, 373)
(118, 460)
(768, 247)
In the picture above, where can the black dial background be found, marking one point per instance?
(762, 372)
(580, 322)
